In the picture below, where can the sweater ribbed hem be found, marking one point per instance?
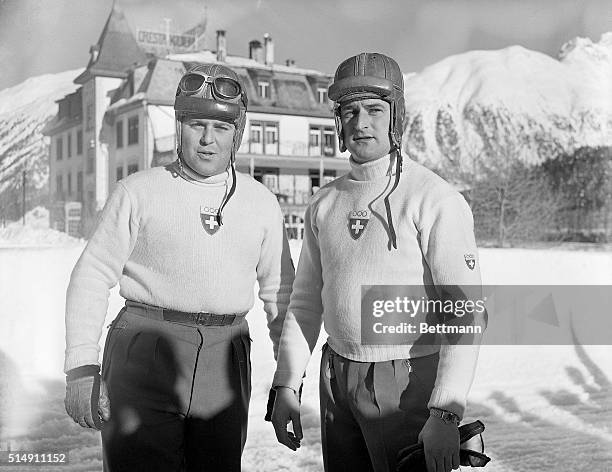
(380, 353)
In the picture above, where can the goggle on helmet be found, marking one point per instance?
(213, 91)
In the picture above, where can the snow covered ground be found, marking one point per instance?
(545, 407)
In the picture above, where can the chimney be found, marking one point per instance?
(290, 63)
(269, 48)
(256, 51)
(221, 46)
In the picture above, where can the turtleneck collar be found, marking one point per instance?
(372, 170)
(190, 175)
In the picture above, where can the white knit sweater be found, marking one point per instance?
(151, 239)
(434, 229)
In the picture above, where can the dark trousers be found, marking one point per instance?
(179, 394)
(371, 410)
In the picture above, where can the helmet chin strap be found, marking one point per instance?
(232, 165)
(396, 146)
(229, 194)
(398, 170)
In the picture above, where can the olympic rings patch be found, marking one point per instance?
(359, 214)
(208, 210)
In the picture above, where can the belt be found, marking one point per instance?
(199, 319)
(202, 318)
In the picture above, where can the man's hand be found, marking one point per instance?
(87, 400)
(287, 409)
(441, 443)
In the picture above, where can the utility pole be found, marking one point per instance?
(23, 185)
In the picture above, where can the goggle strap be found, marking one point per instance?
(212, 80)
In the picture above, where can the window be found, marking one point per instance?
(79, 148)
(119, 133)
(322, 141)
(69, 189)
(322, 94)
(79, 185)
(271, 134)
(271, 138)
(270, 181)
(132, 168)
(315, 178)
(69, 146)
(119, 173)
(255, 133)
(133, 130)
(314, 141)
(263, 89)
(58, 185)
(315, 137)
(255, 141)
(329, 141)
(59, 149)
(264, 137)
(89, 117)
(268, 177)
(90, 161)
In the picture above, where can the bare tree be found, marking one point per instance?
(511, 201)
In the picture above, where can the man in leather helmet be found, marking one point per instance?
(186, 243)
(389, 221)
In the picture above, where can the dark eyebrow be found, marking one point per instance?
(348, 107)
(373, 105)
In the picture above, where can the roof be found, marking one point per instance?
(72, 114)
(293, 93)
(117, 49)
(210, 57)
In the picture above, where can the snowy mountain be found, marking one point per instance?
(24, 111)
(513, 102)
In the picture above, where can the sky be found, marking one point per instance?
(48, 36)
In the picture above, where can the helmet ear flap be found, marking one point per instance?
(239, 124)
(392, 131)
(341, 144)
(178, 134)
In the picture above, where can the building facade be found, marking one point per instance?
(121, 120)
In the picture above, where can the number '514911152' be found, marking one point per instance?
(32, 458)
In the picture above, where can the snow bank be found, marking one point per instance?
(35, 232)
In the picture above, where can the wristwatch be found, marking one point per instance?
(447, 416)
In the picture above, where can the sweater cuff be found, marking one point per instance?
(449, 400)
(82, 356)
(285, 378)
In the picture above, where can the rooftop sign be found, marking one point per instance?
(174, 42)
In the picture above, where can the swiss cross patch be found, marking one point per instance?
(358, 220)
(470, 261)
(208, 217)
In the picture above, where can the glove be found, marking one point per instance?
(272, 397)
(86, 399)
(412, 458)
